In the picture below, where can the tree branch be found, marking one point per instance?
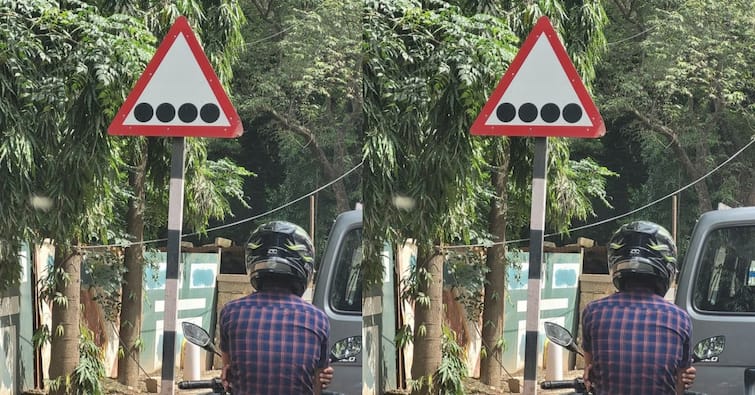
(327, 166)
(689, 166)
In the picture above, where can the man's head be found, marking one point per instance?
(642, 253)
(280, 254)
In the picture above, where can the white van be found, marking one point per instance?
(338, 292)
(717, 288)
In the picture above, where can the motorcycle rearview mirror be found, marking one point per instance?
(346, 350)
(195, 334)
(561, 336)
(708, 350)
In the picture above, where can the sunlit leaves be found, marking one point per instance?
(687, 67)
(67, 74)
(427, 73)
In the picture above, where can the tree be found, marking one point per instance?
(63, 80)
(678, 82)
(209, 183)
(298, 88)
(571, 184)
(425, 69)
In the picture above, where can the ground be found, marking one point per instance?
(113, 387)
(473, 386)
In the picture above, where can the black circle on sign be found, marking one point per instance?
(143, 112)
(505, 112)
(187, 112)
(527, 112)
(550, 113)
(209, 113)
(572, 113)
(165, 112)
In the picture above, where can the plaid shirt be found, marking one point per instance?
(276, 342)
(639, 343)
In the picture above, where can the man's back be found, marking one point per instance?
(638, 341)
(276, 342)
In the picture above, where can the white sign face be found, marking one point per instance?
(177, 94)
(540, 94)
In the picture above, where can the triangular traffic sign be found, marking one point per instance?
(541, 94)
(178, 94)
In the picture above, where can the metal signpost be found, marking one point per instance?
(540, 95)
(178, 95)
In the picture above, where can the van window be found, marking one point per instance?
(346, 290)
(726, 275)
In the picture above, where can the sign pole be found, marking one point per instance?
(178, 95)
(173, 265)
(537, 227)
(540, 96)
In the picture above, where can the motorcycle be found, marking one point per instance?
(197, 335)
(705, 350)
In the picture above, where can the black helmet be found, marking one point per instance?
(280, 251)
(642, 250)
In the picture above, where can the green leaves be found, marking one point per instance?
(679, 80)
(67, 73)
(427, 72)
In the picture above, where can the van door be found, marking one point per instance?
(717, 288)
(338, 292)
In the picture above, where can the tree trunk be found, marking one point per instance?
(328, 168)
(131, 290)
(705, 203)
(495, 280)
(428, 317)
(65, 331)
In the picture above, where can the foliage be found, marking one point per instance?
(452, 368)
(103, 272)
(448, 378)
(87, 377)
(465, 271)
(211, 186)
(10, 270)
(91, 370)
(678, 85)
(62, 80)
(297, 87)
(426, 73)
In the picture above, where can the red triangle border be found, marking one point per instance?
(543, 26)
(180, 26)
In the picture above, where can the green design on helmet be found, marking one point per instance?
(642, 250)
(280, 250)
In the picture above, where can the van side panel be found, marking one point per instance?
(338, 292)
(717, 288)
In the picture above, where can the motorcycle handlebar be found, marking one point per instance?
(557, 384)
(195, 384)
(579, 385)
(206, 384)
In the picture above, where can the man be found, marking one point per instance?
(272, 341)
(635, 341)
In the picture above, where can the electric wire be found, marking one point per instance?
(252, 218)
(601, 222)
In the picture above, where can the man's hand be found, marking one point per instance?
(326, 376)
(688, 377)
(588, 366)
(586, 377)
(224, 377)
(224, 373)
